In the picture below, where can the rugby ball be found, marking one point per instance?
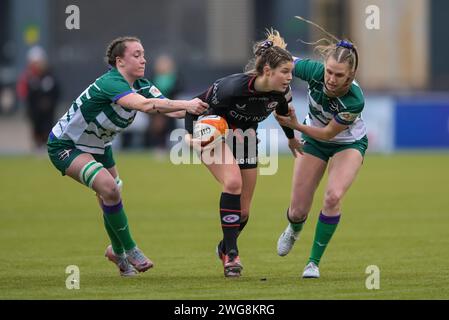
(209, 129)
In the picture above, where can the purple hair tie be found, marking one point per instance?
(267, 44)
(345, 44)
(263, 47)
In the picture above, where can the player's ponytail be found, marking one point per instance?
(271, 51)
(117, 48)
(341, 50)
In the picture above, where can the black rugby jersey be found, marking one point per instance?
(235, 99)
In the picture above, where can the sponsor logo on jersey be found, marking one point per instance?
(333, 105)
(258, 99)
(241, 117)
(155, 91)
(240, 107)
(272, 105)
(214, 98)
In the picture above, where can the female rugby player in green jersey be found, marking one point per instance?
(335, 134)
(79, 144)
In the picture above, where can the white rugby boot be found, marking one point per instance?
(311, 271)
(286, 241)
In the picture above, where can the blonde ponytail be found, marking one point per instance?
(341, 50)
(271, 51)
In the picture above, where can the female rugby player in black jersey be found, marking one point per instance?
(244, 100)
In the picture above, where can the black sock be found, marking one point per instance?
(221, 245)
(296, 225)
(243, 224)
(230, 219)
(294, 222)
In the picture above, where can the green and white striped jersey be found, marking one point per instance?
(95, 118)
(322, 109)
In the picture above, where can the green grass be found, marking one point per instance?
(395, 216)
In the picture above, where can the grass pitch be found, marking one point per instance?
(395, 216)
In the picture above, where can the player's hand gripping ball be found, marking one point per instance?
(210, 130)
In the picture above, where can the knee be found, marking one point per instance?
(233, 185)
(298, 213)
(332, 199)
(110, 192)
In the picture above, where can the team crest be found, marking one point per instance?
(230, 218)
(155, 91)
(348, 116)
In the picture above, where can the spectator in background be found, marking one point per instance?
(39, 89)
(167, 80)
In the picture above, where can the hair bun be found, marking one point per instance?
(267, 44)
(263, 47)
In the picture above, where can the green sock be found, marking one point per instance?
(116, 218)
(115, 241)
(296, 226)
(325, 228)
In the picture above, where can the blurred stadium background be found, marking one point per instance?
(396, 213)
(404, 70)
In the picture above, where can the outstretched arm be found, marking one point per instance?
(155, 105)
(177, 114)
(326, 133)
